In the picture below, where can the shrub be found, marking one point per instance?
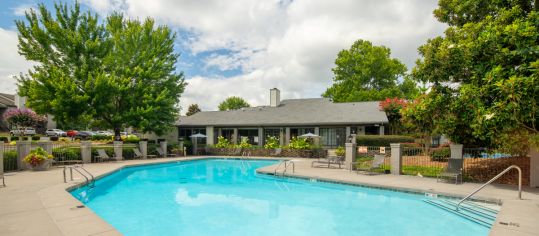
(4, 139)
(14, 138)
(10, 160)
(222, 142)
(440, 154)
(101, 137)
(299, 143)
(382, 140)
(37, 156)
(36, 137)
(272, 142)
(67, 153)
(340, 151)
(244, 143)
(131, 139)
(54, 138)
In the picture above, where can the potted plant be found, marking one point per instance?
(39, 159)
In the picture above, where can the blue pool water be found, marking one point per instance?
(227, 197)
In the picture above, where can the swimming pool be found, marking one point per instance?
(227, 197)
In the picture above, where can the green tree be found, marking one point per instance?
(116, 74)
(368, 73)
(193, 108)
(233, 103)
(486, 66)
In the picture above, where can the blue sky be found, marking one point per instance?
(246, 47)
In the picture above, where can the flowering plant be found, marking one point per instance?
(37, 156)
(23, 117)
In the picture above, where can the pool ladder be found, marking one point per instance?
(245, 156)
(286, 164)
(90, 180)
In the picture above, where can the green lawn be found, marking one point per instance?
(426, 171)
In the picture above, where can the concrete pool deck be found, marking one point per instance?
(37, 203)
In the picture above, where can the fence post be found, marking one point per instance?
(396, 158)
(118, 148)
(86, 151)
(456, 151)
(143, 145)
(46, 145)
(534, 167)
(1, 158)
(23, 149)
(349, 154)
(164, 147)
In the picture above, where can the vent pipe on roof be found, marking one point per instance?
(275, 97)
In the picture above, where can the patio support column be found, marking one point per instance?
(209, 135)
(396, 159)
(348, 132)
(317, 139)
(534, 167)
(260, 136)
(281, 137)
(143, 147)
(118, 149)
(382, 130)
(350, 154)
(456, 150)
(287, 136)
(23, 148)
(163, 145)
(86, 151)
(235, 136)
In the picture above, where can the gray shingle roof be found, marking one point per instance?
(7, 100)
(312, 111)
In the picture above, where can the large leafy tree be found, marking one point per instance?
(233, 103)
(487, 64)
(193, 108)
(115, 74)
(368, 73)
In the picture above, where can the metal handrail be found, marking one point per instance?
(71, 168)
(285, 166)
(494, 179)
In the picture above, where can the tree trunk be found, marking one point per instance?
(117, 135)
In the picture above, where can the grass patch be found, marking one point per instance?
(426, 171)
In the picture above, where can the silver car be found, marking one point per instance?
(56, 133)
(23, 131)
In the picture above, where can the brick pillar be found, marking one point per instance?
(143, 147)
(86, 151)
(350, 154)
(118, 149)
(23, 148)
(456, 151)
(396, 158)
(534, 167)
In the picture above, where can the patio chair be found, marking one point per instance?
(377, 164)
(103, 156)
(453, 170)
(162, 154)
(277, 152)
(138, 154)
(332, 159)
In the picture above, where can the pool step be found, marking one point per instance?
(479, 213)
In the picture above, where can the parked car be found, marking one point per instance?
(84, 135)
(23, 131)
(56, 133)
(72, 133)
(104, 132)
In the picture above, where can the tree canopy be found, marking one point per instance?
(113, 73)
(193, 108)
(368, 73)
(485, 68)
(233, 103)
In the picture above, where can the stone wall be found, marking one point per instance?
(263, 152)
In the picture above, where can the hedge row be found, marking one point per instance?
(382, 140)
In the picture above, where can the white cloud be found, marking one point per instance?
(21, 9)
(11, 63)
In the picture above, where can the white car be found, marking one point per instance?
(23, 131)
(56, 133)
(102, 132)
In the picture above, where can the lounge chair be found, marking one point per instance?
(162, 154)
(138, 154)
(453, 170)
(332, 159)
(377, 164)
(277, 152)
(103, 156)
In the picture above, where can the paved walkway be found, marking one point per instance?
(37, 203)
